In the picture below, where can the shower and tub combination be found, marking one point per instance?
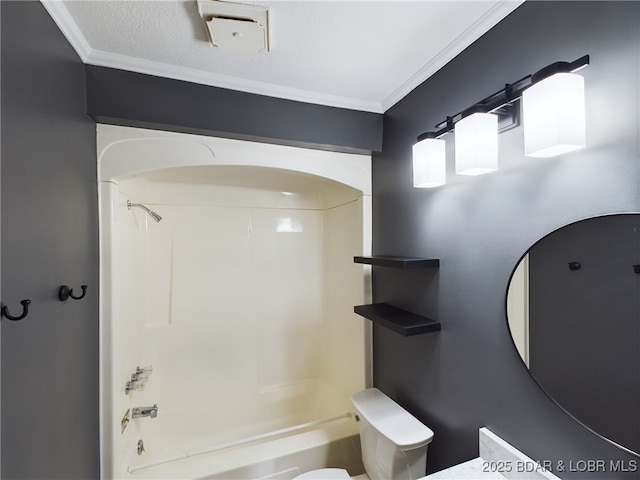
(229, 346)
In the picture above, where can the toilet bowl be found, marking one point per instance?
(393, 442)
(325, 474)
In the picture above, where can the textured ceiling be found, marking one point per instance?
(364, 55)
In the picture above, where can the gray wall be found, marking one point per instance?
(469, 375)
(136, 100)
(49, 360)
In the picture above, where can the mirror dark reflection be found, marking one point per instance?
(573, 306)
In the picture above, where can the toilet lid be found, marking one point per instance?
(325, 474)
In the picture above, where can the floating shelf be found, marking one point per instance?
(404, 263)
(400, 321)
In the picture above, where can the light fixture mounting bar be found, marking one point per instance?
(502, 103)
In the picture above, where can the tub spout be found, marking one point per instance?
(139, 412)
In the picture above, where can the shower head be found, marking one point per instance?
(155, 216)
(151, 213)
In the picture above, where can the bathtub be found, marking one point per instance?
(279, 458)
(237, 305)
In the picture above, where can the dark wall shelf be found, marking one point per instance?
(404, 263)
(400, 321)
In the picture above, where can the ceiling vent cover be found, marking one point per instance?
(235, 27)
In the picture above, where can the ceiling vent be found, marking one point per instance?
(235, 27)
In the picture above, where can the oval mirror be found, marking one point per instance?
(573, 307)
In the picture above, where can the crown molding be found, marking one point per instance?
(148, 67)
(58, 11)
(494, 15)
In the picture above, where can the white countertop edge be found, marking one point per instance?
(498, 460)
(508, 460)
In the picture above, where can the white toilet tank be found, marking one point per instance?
(394, 442)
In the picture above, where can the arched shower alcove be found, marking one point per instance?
(240, 300)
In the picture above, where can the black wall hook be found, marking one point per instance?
(636, 268)
(574, 266)
(25, 311)
(64, 293)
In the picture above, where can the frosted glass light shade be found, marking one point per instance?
(476, 144)
(429, 163)
(553, 115)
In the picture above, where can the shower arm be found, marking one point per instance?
(151, 213)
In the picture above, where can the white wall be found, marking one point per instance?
(518, 308)
(343, 283)
(246, 315)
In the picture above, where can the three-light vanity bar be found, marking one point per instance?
(554, 123)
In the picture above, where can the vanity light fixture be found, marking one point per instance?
(554, 124)
(476, 140)
(429, 161)
(554, 111)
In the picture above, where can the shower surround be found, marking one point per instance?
(240, 299)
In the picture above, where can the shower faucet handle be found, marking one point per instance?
(138, 379)
(134, 384)
(148, 370)
(141, 375)
(139, 412)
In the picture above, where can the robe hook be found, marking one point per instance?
(64, 293)
(25, 310)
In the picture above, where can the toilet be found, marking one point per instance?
(393, 442)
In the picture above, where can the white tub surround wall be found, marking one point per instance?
(241, 299)
(498, 460)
